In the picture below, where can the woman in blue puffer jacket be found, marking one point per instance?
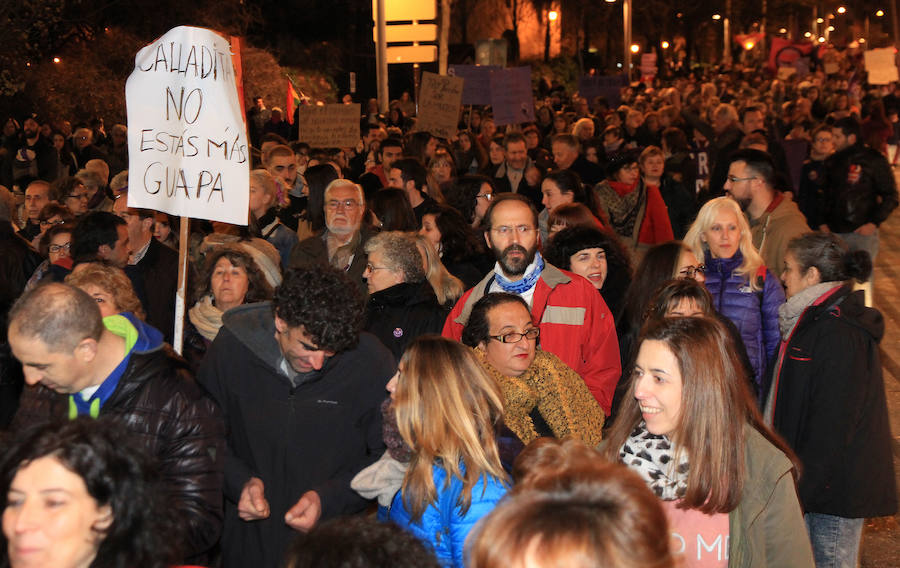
(744, 289)
(447, 409)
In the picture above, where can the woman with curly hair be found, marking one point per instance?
(460, 249)
(596, 255)
(109, 286)
(471, 195)
(230, 278)
(75, 495)
(743, 288)
(447, 408)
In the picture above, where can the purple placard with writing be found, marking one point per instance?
(607, 86)
(477, 85)
(511, 98)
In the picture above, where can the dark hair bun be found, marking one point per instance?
(858, 265)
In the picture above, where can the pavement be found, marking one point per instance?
(881, 537)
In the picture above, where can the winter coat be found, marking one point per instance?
(575, 324)
(314, 252)
(160, 408)
(830, 407)
(772, 231)
(859, 189)
(315, 435)
(159, 274)
(443, 527)
(401, 313)
(754, 313)
(766, 529)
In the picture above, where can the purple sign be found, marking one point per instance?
(511, 96)
(607, 86)
(477, 85)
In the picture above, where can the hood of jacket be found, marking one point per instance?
(254, 326)
(849, 307)
(140, 336)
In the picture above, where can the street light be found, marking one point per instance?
(879, 13)
(820, 20)
(717, 17)
(664, 45)
(782, 31)
(56, 60)
(807, 34)
(841, 10)
(635, 48)
(552, 15)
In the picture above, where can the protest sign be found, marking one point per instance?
(187, 143)
(511, 98)
(330, 126)
(439, 101)
(477, 86)
(606, 86)
(881, 66)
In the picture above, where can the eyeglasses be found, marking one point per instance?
(733, 179)
(77, 196)
(515, 337)
(57, 248)
(371, 268)
(690, 271)
(345, 204)
(505, 230)
(485, 196)
(51, 223)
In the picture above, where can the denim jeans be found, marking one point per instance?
(835, 540)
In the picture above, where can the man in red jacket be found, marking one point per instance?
(576, 325)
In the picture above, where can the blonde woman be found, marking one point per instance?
(447, 409)
(447, 288)
(742, 287)
(109, 286)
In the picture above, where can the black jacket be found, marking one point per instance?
(164, 411)
(830, 408)
(859, 189)
(159, 274)
(313, 251)
(315, 435)
(403, 312)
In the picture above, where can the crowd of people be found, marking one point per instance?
(627, 334)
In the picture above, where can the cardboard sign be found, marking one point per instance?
(511, 97)
(187, 142)
(477, 88)
(648, 64)
(330, 126)
(439, 101)
(606, 86)
(881, 66)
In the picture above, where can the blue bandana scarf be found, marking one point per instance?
(526, 283)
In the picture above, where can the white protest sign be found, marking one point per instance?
(881, 66)
(188, 153)
(439, 100)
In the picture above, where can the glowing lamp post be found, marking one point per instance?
(552, 16)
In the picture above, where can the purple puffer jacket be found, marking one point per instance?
(754, 313)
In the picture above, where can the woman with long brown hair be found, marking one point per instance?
(691, 429)
(447, 409)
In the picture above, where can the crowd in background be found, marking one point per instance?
(661, 283)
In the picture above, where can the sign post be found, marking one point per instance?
(188, 153)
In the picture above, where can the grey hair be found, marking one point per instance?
(400, 254)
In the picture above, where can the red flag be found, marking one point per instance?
(786, 52)
(293, 101)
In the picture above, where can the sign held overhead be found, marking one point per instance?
(187, 142)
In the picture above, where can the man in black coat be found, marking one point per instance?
(117, 369)
(156, 264)
(301, 389)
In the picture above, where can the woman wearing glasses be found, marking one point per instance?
(743, 288)
(55, 244)
(542, 395)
